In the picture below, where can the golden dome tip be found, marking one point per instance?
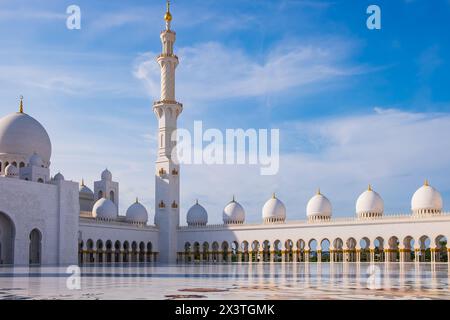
(21, 104)
(168, 15)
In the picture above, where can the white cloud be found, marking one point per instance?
(212, 71)
(86, 81)
(393, 150)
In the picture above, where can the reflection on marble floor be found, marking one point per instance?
(232, 281)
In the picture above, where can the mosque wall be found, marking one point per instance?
(51, 209)
(403, 228)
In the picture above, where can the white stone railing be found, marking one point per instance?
(91, 220)
(355, 220)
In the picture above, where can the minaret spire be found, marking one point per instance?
(21, 104)
(167, 110)
(168, 16)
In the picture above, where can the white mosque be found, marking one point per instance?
(48, 220)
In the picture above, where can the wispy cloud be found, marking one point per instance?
(25, 14)
(391, 149)
(214, 71)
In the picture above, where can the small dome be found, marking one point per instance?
(233, 213)
(36, 160)
(58, 177)
(369, 204)
(274, 210)
(197, 216)
(11, 171)
(85, 191)
(318, 208)
(426, 200)
(21, 134)
(104, 209)
(106, 175)
(137, 213)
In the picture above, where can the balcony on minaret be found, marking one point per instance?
(174, 205)
(166, 55)
(161, 205)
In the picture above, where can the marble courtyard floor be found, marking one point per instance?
(232, 281)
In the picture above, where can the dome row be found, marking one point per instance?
(426, 200)
(105, 209)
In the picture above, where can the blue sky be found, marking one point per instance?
(354, 106)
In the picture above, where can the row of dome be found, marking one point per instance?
(105, 209)
(426, 200)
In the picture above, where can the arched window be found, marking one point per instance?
(35, 247)
(7, 237)
(40, 180)
(111, 196)
(100, 194)
(14, 164)
(21, 165)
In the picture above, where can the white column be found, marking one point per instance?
(319, 256)
(306, 254)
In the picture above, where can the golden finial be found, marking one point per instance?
(318, 192)
(82, 182)
(426, 183)
(369, 188)
(168, 16)
(137, 200)
(233, 199)
(21, 104)
(273, 196)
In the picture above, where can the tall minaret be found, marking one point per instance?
(167, 185)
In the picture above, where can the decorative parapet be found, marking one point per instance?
(349, 220)
(116, 223)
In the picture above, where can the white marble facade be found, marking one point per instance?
(48, 220)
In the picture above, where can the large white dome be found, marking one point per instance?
(274, 210)
(197, 215)
(369, 204)
(104, 209)
(426, 200)
(318, 207)
(233, 213)
(137, 213)
(22, 135)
